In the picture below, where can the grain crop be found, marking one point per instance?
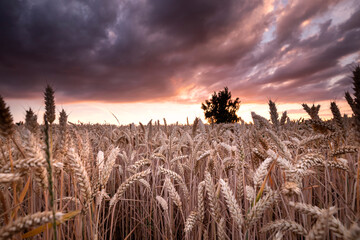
(270, 179)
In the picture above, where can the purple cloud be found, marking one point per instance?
(127, 51)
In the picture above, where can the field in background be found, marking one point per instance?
(276, 179)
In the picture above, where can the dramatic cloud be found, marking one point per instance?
(178, 50)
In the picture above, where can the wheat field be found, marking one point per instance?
(277, 179)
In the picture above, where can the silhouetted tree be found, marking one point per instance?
(220, 108)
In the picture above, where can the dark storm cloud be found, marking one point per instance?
(120, 51)
(110, 50)
(293, 17)
(353, 22)
(197, 22)
(312, 69)
(317, 61)
(190, 21)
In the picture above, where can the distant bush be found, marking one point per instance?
(220, 108)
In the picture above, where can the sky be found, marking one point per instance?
(150, 59)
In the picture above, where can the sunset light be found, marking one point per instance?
(142, 62)
(180, 119)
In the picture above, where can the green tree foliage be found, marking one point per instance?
(221, 108)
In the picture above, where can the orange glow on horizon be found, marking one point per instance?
(95, 112)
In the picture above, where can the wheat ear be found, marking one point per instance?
(318, 230)
(174, 195)
(80, 175)
(353, 233)
(27, 222)
(285, 225)
(262, 171)
(162, 203)
(278, 236)
(213, 201)
(49, 104)
(41, 177)
(106, 169)
(191, 221)
(178, 178)
(274, 114)
(260, 207)
(125, 185)
(306, 208)
(222, 229)
(9, 177)
(139, 164)
(201, 203)
(233, 206)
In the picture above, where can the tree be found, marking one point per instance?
(220, 108)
